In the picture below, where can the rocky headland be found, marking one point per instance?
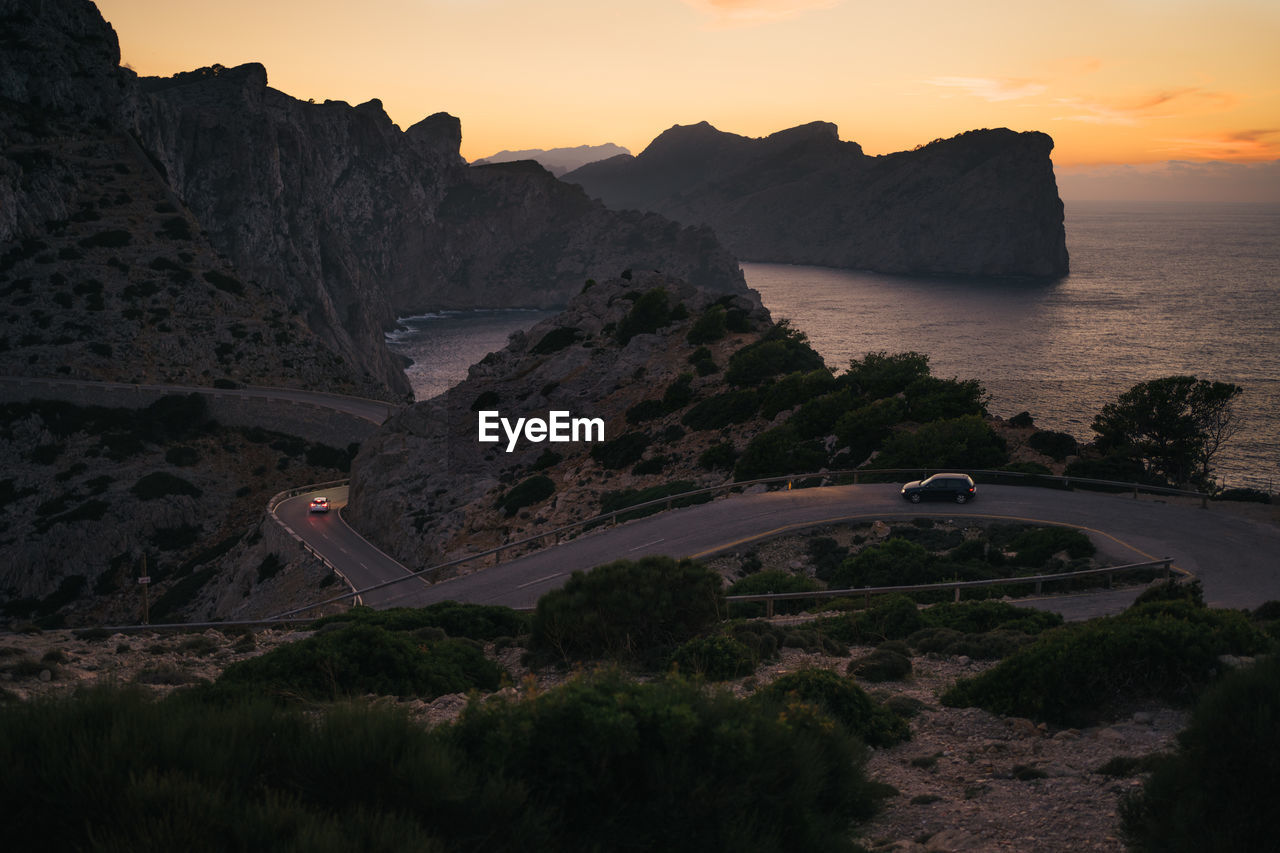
(982, 203)
(557, 161)
(424, 489)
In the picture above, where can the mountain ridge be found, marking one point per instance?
(984, 202)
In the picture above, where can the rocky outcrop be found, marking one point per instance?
(981, 203)
(425, 489)
(349, 220)
(357, 221)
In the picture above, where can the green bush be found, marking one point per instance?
(358, 659)
(1056, 445)
(527, 492)
(844, 701)
(679, 393)
(720, 455)
(555, 340)
(608, 764)
(623, 498)
(716, 657)
(627, 610)
(181, 775)
(709, 327)
(958, 443)
(881, 665)
(722, 410)
(780, 350)
(648, 314)
(933, 399)
(1078, 673)
(159, 484)
(794, 389)
(1172, 590)
(895, 562)
(777, 452)
(980, 616)
(1217, 791)
(880, 375)
(766, 582)
(474, 621)
(622, 451)
(864, 429)
(645, 410)
(1036, 546)
(988, 645)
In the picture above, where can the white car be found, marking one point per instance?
(320, 504)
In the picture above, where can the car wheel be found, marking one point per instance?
(961, 498)
(915, 497)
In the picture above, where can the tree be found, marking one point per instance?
(1176, 425)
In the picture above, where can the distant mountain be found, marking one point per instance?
(981, 203)
(557, 161)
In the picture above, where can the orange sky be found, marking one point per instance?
(1113, 81)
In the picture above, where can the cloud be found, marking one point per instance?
(747, 12)
(1263, 144)
(991, 88)
(1133, 110)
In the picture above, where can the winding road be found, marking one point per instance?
(1236, 558)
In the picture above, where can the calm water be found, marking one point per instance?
(1154, 290)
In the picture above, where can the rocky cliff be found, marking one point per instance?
(357, 221)
(347, 219)
(982, 203)
(425, 489)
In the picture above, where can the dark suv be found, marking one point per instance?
(941, 487)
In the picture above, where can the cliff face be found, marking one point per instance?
(982, 203)
(358, 222)
(425, 489)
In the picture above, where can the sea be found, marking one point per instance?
(1155, 289)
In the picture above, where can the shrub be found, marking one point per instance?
(623, 498)
(965, 442)
(981, 616)
(879, 374)
(607, 764)
(180, 775)
(622, 451)
(933, 399)
(111, 239)
(159, 484)
(678, 393)
(1217, 791)
(627, 610)
(1056, 445)
(1035, 547)
(527, 492)
(988, 645)
(881, 665)
(474, 621)
(358, 659)
(1251, 495)
(648, 314)
(720, 455)
(555, 340)
(224, 282)
(731, 407)
(269, 567)
(766, 582)
(777, 452)
(717, 657)
(709, 327)
(844, 701)
(896, 562)
(780, 350)
(645, 410)
(182, 456)
(1077, 673)
(1172, 590)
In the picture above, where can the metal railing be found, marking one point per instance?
(280, 497)
(431, 573)
(1039, 580)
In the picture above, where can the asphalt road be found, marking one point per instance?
(362, 562)
(1236, 558)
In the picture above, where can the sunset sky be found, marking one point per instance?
(1113, 81)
